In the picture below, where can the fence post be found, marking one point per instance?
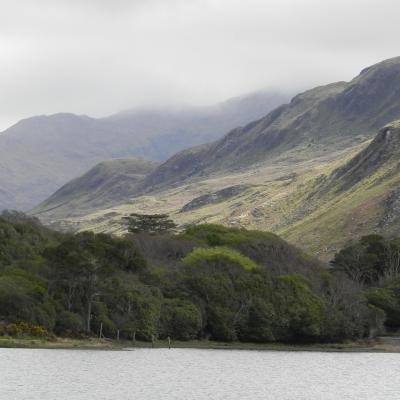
(134, 337)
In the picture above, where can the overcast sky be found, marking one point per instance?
(97, 57)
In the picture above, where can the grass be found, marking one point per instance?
(57, 343)
(96, 344)
(344, 216)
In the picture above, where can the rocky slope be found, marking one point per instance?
(323, 119)
(40, 154)
(360, 197)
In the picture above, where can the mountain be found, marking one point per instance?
(104, 185)
(40, 154)
(307, 171)
(360, 197)
(326, 118)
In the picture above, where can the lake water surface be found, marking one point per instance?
(185, 374)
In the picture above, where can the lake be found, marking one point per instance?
(162, 374)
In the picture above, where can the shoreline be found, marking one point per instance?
(376, 346)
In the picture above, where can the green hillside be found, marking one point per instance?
(106, 184)
(358, 198)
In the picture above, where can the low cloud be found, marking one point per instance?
(101, 56)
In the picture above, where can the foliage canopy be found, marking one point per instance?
(209, 282)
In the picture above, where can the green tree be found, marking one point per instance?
(256, 325)
(388, 299)
(84, 264)
(180, 319)
(135, 307)
(24, 297)
(219, 257)
(299, 310)
(150, 223)
(219, 280)
(369, 261)
(68, 323)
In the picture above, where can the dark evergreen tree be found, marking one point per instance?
(150, 223)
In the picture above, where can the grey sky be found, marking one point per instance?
(100, 56)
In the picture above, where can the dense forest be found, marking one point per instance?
(207, 282)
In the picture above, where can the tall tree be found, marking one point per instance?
(150, 223)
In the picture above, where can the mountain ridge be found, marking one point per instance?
(337, 114)
(316, 187)
(40, 154)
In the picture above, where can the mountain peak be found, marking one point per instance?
(389, 63)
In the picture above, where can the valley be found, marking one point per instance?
(40, 154)
(265, 201)
(281, 173)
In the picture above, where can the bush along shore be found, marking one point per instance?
(207, 287)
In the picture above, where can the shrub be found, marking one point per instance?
(68, 324)
(387, 300)
(24, 329)
(180, 319)
(218, 235)
(300, 311)
(218, 257)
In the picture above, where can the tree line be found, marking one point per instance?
(373, 263)
(207, 282)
